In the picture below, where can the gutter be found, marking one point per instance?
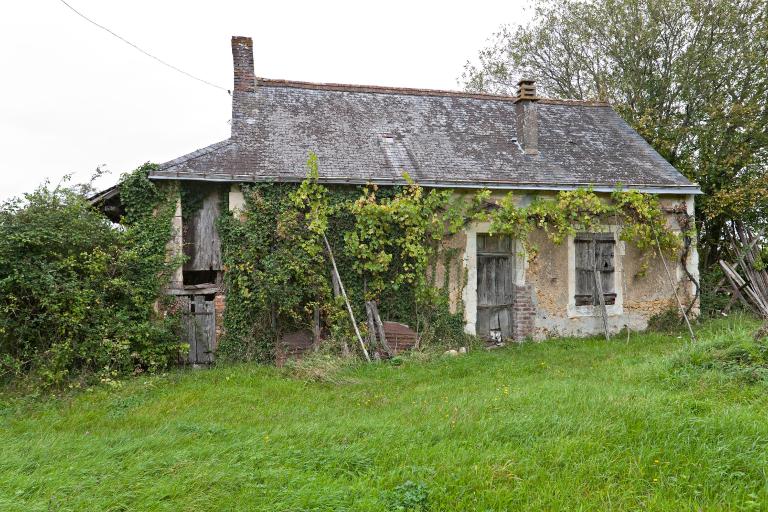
(491, 185)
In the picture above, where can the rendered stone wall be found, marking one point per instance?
(544, 307)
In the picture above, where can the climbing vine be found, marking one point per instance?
(386, 242)
(192, 196)
(407, 228)
(639, 217)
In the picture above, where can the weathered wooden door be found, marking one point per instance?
(495, 286)
(199, 329)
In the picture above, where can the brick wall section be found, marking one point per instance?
(218, 308)
(524, 312)
(242, 59)
(243, 97)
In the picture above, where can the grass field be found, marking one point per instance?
(562, 425)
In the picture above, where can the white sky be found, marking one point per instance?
(73, 97)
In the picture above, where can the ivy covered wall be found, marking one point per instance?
(399, 246)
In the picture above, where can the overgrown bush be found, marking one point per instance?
(712, 301)
(670, 321)
(79, 293)
(734, 352)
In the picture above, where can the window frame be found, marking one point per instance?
(591, 310)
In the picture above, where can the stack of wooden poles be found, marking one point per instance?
(747, 275)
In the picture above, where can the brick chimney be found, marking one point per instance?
(527, 117)
(243, 99)
(242, 59)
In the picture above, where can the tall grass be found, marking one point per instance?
(730, 351)
(563, 425)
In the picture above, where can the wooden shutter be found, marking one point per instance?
(594, 251)
(604, 263)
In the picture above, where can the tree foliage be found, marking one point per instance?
(690, 76)
(79, 293)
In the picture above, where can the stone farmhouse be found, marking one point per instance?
(462, 141)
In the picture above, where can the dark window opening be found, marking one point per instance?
(195, 277)
(595, 253)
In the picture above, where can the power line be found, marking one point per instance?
(161, 61)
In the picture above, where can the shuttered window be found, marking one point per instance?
(595, 263)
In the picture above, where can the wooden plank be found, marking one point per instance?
(599, 290)
(481, 286)
(209, 321)
(745, 288)
(371, 323)
(505, 323)
(492, 280)
(382, 336)
(483, 325)
(188, 327)
(199, 328)
(501, 279)
(584, 279)
(200, 236)
(749, 253)
(346, 299)
(605, 265)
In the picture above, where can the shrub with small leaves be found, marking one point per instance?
(80, 294)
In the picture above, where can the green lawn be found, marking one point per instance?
(562, 425)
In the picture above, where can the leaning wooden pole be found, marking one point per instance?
(346, 300)
(746, 290)
(674, 288)
(601, 299)
(599, 288)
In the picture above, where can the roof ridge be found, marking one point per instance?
(379, 89)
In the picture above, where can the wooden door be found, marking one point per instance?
(495, 287)
(199, 329)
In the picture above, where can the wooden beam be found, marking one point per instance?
(346, 299)
(599, 287)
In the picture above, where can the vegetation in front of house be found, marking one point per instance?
(277, 270)
(570, 424)
(742, 358)
(385, 242)
(82, 295)
(79, 293)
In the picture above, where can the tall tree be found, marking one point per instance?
(691, 76)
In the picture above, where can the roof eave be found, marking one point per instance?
(492, 185)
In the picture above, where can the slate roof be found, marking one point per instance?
(372, 134)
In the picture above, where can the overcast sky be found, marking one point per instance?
(73, 97)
